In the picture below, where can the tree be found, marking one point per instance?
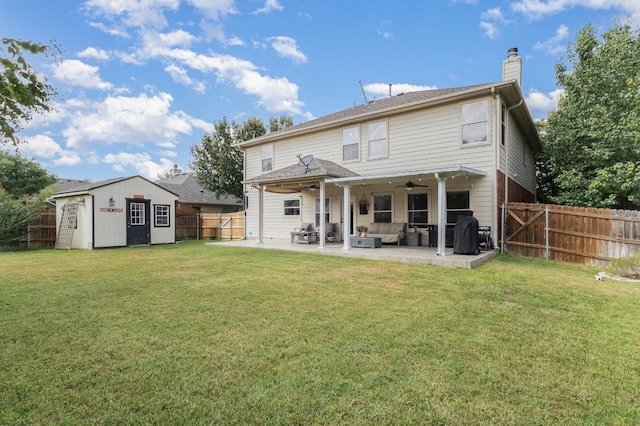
(21, 176)
(591, 143)
(283, 122)
(218, 162)
(22, 92)
(23, 189)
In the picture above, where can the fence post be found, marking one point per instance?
(546, 233)
(502, 230)
(198, 225)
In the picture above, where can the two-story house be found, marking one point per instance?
(421, 158)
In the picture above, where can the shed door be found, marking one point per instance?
(138, 222)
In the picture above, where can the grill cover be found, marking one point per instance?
(465, 237)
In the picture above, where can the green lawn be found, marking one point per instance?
(203, 334)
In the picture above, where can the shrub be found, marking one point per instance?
(628, 267)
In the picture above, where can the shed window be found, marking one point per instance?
(161, 215)
(475, 118)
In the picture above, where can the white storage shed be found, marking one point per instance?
(128, 211)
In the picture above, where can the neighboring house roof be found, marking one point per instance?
(64, 184)
(402, 102)
(186, 186)
(293, 178)
(88, 186)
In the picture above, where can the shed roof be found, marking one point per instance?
(88, 186)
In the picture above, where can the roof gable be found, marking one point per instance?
(89, 186)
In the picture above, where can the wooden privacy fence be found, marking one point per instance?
(222, 226)
(571, 234)
(41, 232)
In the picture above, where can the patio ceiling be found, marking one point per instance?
(398, 177)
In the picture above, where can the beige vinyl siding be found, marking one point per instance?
(525, 170)
(417, 140)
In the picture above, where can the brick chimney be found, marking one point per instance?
(175, 171)
(512, 67)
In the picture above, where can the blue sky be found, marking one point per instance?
(143, 80)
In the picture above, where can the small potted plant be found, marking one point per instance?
(363, 230)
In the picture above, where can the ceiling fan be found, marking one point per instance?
(409, 186)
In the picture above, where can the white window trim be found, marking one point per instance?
(263, 158)
(463, 124)
(357, 128)
(373, 206)
(369, 140)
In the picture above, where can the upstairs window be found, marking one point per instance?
(382, 208)
(351, 144)
(267, 158)
(503, 125)
(475, 118)
(378, 146)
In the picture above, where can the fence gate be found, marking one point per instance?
(227, 226)
(584, 235)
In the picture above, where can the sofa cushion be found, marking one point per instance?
(386, 228)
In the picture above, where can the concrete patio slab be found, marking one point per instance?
(422, 255)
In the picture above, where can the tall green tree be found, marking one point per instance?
(591, 154)
(23, 189)
(20, 176)
(22, 91)
(217, 160)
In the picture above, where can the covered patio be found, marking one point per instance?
(320, 175)
(420, 255)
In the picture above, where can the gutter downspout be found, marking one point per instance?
(506, 169)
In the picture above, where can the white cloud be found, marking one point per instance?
(214, 9)
(536, 9)
(135, 13)
(494, 14)
(49, 151)
(382, 89)
(490, 30)
(540, 103)
(119, 119)
(141, 163)
(287, 47)
(179, 75)
(269, 6)
(92, 52)
(554, 46)
(77, 73)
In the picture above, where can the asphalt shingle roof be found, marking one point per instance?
(186, 186)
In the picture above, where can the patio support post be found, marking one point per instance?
(346, 215)
(442, 214)
(260, 214)
(323, 232)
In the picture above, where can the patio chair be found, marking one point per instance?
(306, 234)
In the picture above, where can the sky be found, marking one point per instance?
(142, 81)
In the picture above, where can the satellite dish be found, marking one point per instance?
(305, 161)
